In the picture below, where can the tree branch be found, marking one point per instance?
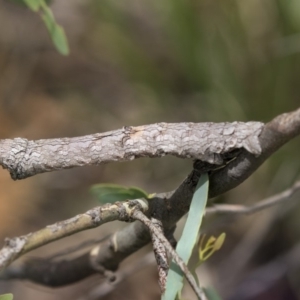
(103, 289)
(160, 254)
(173, 205)
(95, 217)
(235, 209)
(203, 141)
(138, 215)
(273, 136)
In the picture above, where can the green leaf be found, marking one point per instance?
(188, 239)
(56, 32)
(34, 4)
(109, 193)
(6, 297)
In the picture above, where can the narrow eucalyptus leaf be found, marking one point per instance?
(188, 239)
(56, 32)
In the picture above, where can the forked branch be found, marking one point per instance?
(256, 147)
(95, 217)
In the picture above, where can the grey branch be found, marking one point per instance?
(160, 255)
(204, 141)
(173, 205)
(274, 135)
(95, 217)
(138, 215)
(103, 289)
(235, 209)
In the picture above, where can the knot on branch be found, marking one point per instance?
(13, 161)
(126, 209)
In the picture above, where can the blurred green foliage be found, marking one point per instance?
(228, 55)
(56, 32)
(137, 62)
(211, 61)
(6, 297)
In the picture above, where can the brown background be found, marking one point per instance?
(139, 62)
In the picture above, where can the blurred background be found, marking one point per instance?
(140, 62)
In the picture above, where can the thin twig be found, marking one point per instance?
(134, 236)
(232, 209)
(138, 215)
(160, 255)
(95, 217)
(78, 247)
(105, 288)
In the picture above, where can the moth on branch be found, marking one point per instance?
(173, 205)
(208, 142)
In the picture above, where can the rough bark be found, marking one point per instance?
(204, 141)
(95, 217)
(268, 138)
